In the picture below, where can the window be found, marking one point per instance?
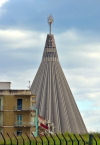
(33, 105)
(19, 104)
(19, 132)
(0, 103)
(33, 98)
(19, 119)
(1, 118)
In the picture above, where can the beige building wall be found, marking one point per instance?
(10, 111)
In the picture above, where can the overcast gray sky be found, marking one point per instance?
(23, 30)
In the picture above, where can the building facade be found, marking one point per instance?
(17, 111)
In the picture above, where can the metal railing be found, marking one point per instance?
(23, 124)
(22, 108)
(50, 139)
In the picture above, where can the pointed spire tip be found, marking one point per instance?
(50, 21)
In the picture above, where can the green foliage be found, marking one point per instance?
(56, 138)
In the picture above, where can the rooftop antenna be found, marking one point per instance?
(29, 85)
(50, 21)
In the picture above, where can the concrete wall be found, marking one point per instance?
(5, 85)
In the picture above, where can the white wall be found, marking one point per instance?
(5, 85)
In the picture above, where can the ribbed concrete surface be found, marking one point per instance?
(54, 98)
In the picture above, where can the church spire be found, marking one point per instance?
(50, 52)
(50, 21)
(55, 101)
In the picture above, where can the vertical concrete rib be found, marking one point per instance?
(55, 100)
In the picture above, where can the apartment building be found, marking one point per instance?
(18, 113)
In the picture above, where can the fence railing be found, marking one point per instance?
(24, 108)
(23, 124)
(50, 139)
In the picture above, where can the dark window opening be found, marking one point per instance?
(19, 132)
(19, 104)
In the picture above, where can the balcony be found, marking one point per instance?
(20, 108)
(24, 124)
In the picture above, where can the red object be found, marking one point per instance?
(41, 117)
(44, 126)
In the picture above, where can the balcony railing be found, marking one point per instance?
(18, 108)
(24, 124)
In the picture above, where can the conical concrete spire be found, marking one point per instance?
(50, 52)
(55, 101)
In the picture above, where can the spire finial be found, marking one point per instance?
(50, 21)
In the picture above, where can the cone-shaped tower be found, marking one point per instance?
(55, 101)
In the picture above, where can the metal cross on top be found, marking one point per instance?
(50, 21)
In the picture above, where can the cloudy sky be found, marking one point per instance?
(23, 30)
